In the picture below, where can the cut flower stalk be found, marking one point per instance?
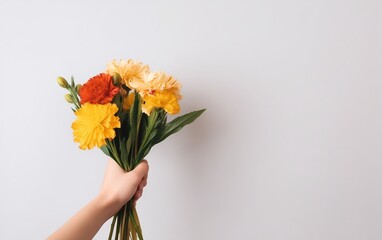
(125, 224)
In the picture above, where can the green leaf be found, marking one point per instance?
(177, 124)
(135, 111)
(123, 150)
(118, 101)
(143, 152)
(135, 118)
(73, 85)
(145, 148)
(105, 150)
(122, 118)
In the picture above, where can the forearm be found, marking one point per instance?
(86, 223)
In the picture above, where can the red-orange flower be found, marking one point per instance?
(98, 90)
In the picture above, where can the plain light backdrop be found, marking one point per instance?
(290, 146)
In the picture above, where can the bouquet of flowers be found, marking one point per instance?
(123, 111)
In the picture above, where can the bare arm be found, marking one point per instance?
(117, 189)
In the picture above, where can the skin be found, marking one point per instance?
(117, 189)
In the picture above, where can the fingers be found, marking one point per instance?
(143, 183)
(140, 172)
(138, 194)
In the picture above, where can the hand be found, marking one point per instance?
(117, 189)
(120, 186)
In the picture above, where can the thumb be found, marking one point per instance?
(139, 172)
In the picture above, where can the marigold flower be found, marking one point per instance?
(127, 70)
(98, 90)
(94, 124)
(161, 99)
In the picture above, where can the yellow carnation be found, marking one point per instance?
(128, 70)
(161, 99)
(158, 81)
(94, 124)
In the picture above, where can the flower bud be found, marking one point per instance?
(69, 98)
(78, 87)
(62, 82)
(116, 79)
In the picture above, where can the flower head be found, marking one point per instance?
(161, 99)
(128, 70)
(98, 90)
(157, 81)
(94, 124)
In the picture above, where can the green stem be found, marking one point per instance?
(136, 225)
(138, 229)
(123, 223)
(126, 225)
(74, 94)
(136, 139)
(118, 225)
(152, 119)
(112, 227)
(111, 144)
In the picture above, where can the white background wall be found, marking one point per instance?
(289, 148)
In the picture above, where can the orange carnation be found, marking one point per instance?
(98, 90)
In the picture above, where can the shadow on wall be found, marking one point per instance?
(199, 132)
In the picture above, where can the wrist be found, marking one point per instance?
(107, 205)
